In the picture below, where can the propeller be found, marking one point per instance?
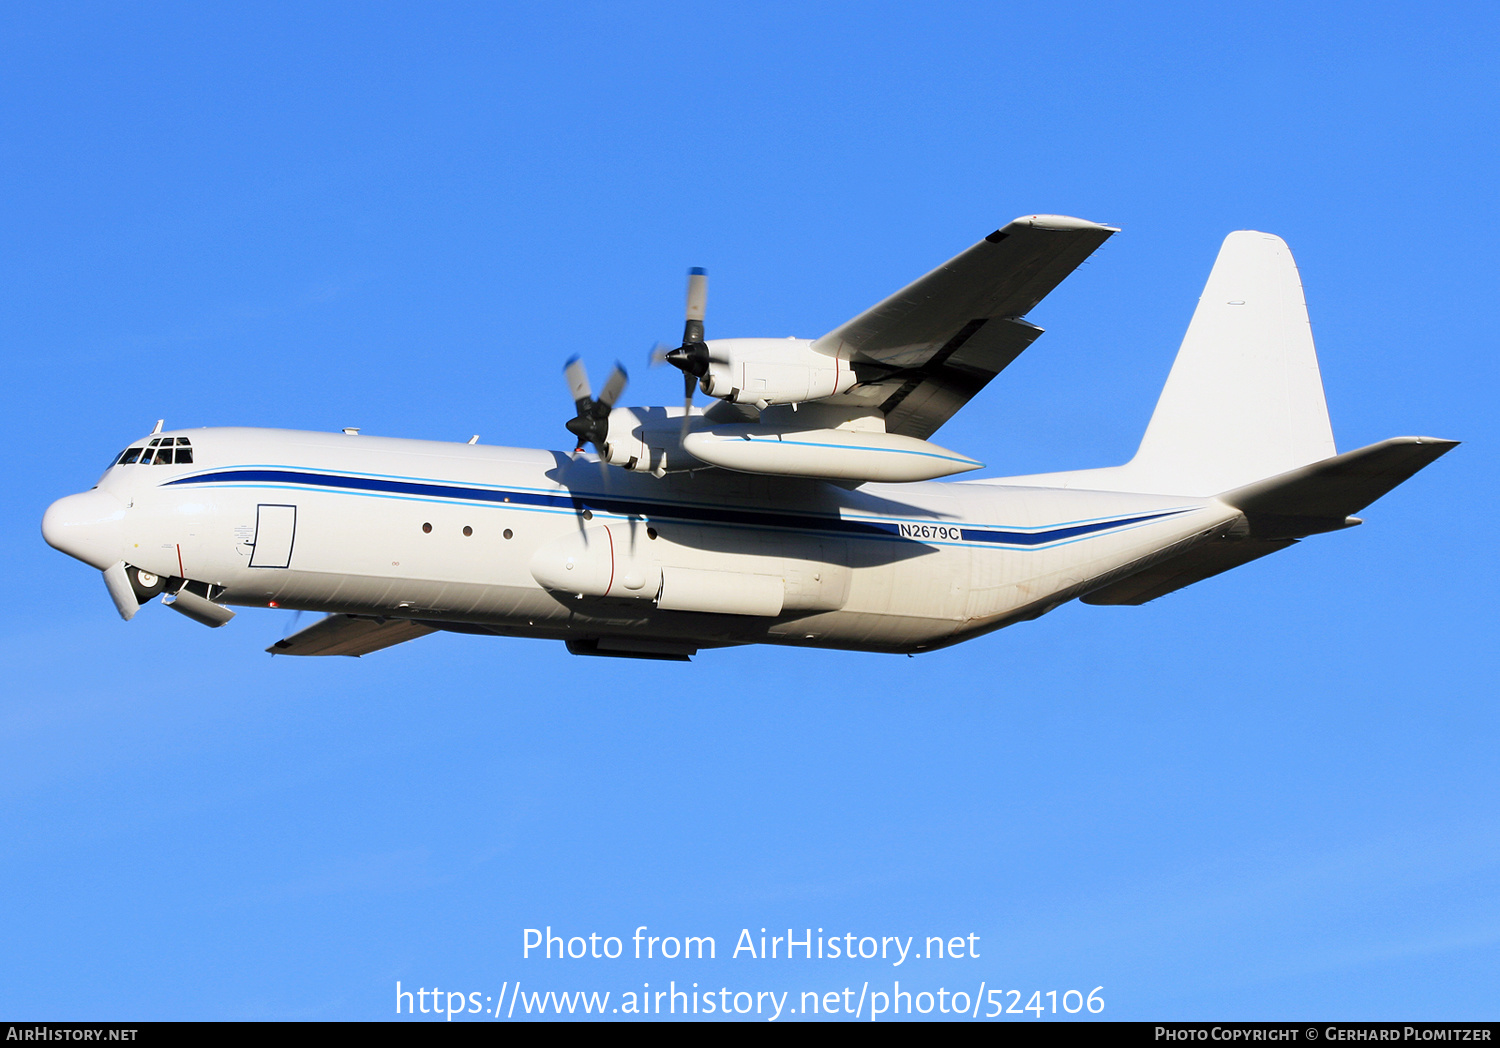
(591, 424)
(691, 358)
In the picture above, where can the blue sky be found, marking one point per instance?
(1270, 795)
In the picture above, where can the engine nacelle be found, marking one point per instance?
(763, 371)
(647, 440)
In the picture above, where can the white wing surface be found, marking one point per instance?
(924, 351)
(348, 635)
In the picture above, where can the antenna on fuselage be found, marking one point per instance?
(159, 423)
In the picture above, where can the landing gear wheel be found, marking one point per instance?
(146, 584)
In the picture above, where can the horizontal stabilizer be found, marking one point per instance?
(1199, 563)
(1278, 511)
(1321, 496)
(340, 634)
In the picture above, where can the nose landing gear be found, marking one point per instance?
(130, 587)
(145, 585)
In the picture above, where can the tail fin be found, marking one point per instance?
(1244, 399)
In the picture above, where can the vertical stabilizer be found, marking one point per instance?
(1244, 400)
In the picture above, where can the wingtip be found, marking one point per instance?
(1439, 442)
(1062, 223)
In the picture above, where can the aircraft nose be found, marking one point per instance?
(89, 527)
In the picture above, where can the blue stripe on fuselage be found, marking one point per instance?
(368, 485)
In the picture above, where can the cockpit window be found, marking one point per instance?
(161, 451)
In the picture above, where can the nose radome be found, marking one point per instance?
(89, 527)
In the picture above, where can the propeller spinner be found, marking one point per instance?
(591, 424)
(691, 358)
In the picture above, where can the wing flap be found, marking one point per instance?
(930, 395)
(340, 634)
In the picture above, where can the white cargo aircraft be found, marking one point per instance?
(799, 509)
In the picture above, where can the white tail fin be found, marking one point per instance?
(1244, 400)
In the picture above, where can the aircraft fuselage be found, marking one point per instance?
(522, 542)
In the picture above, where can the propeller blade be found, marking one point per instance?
(591, 424)
(689, 383)
(613, 387)
(578, 382)
(692, 356)
(697, 303)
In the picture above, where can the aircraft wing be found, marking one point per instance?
(922, 353)
(340, 634)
